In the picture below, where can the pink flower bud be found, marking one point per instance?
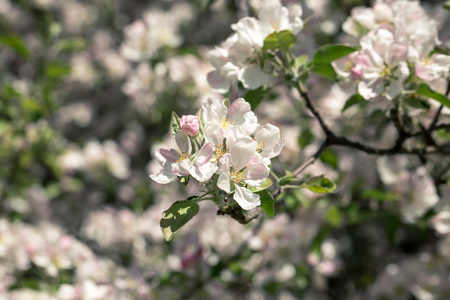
(189, 125)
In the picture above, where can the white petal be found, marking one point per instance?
(223, 182)
(246, 198)
(182, 168)
(183, 142)
(204, 172)
(252, 77)
(164, 176)
(204, 155)
(242, 150)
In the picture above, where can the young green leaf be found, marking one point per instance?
(283, 40)
(329, 53)
(16, 44)
(57, 69)
(353, 100)
(426, 91)
(266, 184)
(267, 202)
(255, 97)
(174, 124)
(177, 216)
(416, 103)
(325, 70)
(319, 184)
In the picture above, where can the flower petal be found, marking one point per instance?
(246, 198)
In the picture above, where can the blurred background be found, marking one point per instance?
(87, 89)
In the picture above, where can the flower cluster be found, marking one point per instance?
(397, 38)
(223, 147)
(240, 56)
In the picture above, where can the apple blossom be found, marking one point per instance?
(241, 167)
(228, 153)
(189, 125)
(241, 56)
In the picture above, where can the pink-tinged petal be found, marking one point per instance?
(424, 72)
(252, 77)
(182, 168)
(164, 176)
(278, 148)
(204, 155)
(256, 173)
(166, 155)
(356, 73)
(396, 53)
(246, 198)
(237, 110)
(242, 150)
(268, 134)
(218, 82)
(190, 125)
(364, 61)
(204, 172)
(183, 142)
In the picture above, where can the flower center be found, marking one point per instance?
(238, 175)
(226, 122)
(183, 156)
(260, 147)
(219, 151)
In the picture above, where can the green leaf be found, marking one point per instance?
(266, 184)
(71, 45)
(319, 184)
(57, 69)
(283, 40)
(334, 216)
(305, 138)
(353, 100)
(325, 70)
(416, 103)
(426, 91)
(329, 53)
(329, 157)
(286, 179)
(267, 202)
(255, 97)
(300, 61)
(16, 44)
(177, 216)
(174, 124)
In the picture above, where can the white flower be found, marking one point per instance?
(239, 57)
(182, 163)
(269, 142)
(242, 167)
(232, 123)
